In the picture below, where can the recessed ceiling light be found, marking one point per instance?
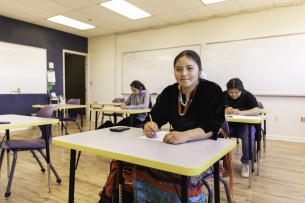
(212, 1)
(126, 9)
(71, 22)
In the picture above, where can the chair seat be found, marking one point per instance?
(23, 144)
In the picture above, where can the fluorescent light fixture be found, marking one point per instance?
(206, 2)
(71, 22)
(126, 9)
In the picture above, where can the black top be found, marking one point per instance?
(206, 110)
(246, 101)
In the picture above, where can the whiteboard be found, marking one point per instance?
(22, 67)
(267, 66)
(154, 68)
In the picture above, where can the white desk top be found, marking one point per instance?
(18, 121)
(189, 159)
(104, 103)
(250, 119)
(119, 110)
(61, 106)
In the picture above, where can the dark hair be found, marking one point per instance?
(235, 83)
(190, 54)
(138, 85)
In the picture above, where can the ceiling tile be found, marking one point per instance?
(17, 15)
(85, 33)
(114, 28)
(224, 7)
(131, 25)
(86, 18)
(172, 17)
(76, 4)
(99, 31)
(105, 14)
(154, 7)
(249, 5)
(98, 1)
(195, 13)
(150, 21)
(26, 9)
(182, 4)
(50, 6)
(286, 1)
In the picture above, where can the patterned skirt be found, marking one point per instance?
(152, 185)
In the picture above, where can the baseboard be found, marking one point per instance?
(285, 138)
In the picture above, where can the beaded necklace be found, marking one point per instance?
(187, 102)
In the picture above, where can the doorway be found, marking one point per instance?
(74, 72)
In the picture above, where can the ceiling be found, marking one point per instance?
(164, 12)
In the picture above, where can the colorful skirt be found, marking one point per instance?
(152, 185)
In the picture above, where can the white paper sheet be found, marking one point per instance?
(160, 136)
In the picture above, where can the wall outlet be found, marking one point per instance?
(276, 118)
(90, 82)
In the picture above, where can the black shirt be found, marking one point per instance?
(206, 110)
(246, 101)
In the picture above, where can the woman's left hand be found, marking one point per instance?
(235, 112)
(123, 106)
(175, 137)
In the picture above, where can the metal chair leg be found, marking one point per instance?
(51, 166)
(38, 161)
(210, 190)
(10, 180)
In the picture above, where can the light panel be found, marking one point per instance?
(126, 9)
(206, 2)
(70, 22)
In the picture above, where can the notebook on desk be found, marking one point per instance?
(243, 117)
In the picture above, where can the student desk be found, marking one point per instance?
(188, 159)
(101, 104)
(60, 108)
(18, 121)
(116, 110)
(257, 138)
(264, 112)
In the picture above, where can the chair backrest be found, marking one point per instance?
(225, 127)
(73, 112)
(260, 105)
(46, 112)
(150, 104)
(116, 100)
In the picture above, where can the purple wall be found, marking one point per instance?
(18, 32)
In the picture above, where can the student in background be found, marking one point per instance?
(239, 101)
(139, 99)
(194, 107)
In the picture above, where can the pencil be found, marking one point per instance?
(151, 123)
(119, 101)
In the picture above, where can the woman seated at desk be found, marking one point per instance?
(139, 99)
(194, 107)
(241, 102)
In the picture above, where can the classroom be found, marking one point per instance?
(273, 22)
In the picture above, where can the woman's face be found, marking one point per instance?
(134, 90)
(186, 72)
(234, 93)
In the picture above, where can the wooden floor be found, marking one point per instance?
(282, 178)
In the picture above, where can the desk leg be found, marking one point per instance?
(184, 189)
(58, 122)
(8, 154)
(250, 155)
(90, 117)
(265, 134)
(72, 176)
(114, 118)
(45, 132)
(216, 182)
(259, 129)
(130, 117)
(62, 122)
(96, 118)
(81, 119)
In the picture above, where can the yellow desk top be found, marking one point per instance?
(188, 159)
(19, 121)
(104, 103)
(244, 119)
(119, 110)
(61, 106)
(264, 111)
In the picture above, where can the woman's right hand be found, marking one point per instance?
(229, 110)
(151, 129)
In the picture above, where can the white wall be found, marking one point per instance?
(106, 57)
